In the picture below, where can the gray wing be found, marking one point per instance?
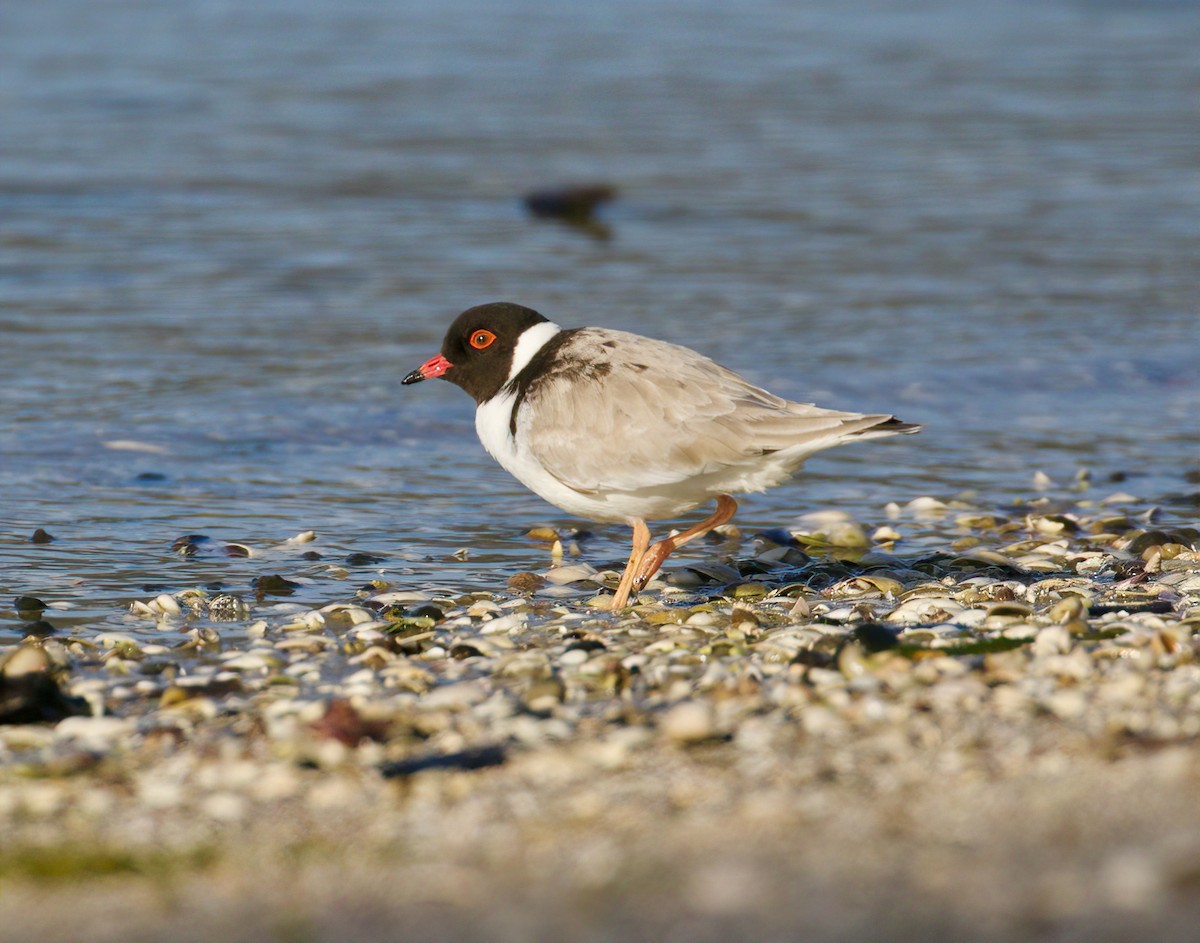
(625, 412)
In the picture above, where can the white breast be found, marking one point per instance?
(494, 423)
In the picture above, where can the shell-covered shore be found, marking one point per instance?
(952, 720)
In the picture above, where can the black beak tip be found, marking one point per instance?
(414, 377)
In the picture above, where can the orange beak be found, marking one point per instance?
(433, 367)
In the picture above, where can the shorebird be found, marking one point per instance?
(617, 427)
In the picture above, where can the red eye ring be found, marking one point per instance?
(482, 339)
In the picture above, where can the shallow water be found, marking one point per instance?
(227, 232)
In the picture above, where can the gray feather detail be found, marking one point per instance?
(634, 413)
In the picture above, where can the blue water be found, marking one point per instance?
(227, 230)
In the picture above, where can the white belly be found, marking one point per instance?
(662, 502)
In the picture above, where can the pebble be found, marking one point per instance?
(690, 722)
(98, 734)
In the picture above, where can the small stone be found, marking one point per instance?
(29, 694)
(274, 585)
(189, 545)
(456, 697)
(1053, 640)
(1066, 704)
(1132, 881)
(575, 573)
(342, 722)
(875, 636)
(98, 734)
(749, 591)
(29, 608)
(545, 694)
(525, 582)
(513, 622)
(227, 608)
(690, 722)
(847, 534)
(167, 603)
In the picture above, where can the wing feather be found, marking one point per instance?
(625, 412)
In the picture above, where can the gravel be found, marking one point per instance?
(975, 722)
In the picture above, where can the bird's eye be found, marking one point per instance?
(482, 339)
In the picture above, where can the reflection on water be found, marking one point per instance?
(224, 244)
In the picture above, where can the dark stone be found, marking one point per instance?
(29, 608)
(39, 536)
(37, 699)
(274, 585)
(472, 759)
(364, 559)
(875, 636)
(190, 544)
(33, 696)
(811, 658)
(587, 645)
(1188, 536)
(343, 723)
(780, 536)
(525, 582)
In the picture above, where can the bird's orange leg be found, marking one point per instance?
(653, 558)
(641, 540)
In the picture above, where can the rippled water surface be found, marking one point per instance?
(227, 230)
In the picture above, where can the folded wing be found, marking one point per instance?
(624, 412)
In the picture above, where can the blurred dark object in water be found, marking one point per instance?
(574, 205)
(29, 694)
(41, 537)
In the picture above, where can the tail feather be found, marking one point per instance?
(876, 427)
(893, 426)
